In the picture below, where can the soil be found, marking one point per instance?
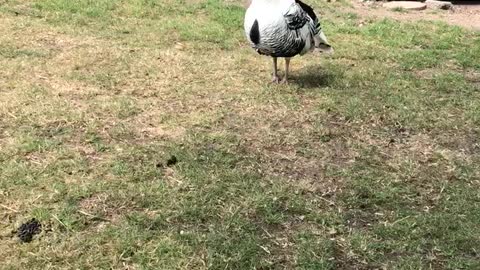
(465, 13)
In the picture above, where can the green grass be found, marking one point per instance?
(368, 159)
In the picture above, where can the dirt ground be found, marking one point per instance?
(464, 13)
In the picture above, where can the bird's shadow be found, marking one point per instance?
(315, 76)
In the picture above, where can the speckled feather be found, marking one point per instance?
(281, 28)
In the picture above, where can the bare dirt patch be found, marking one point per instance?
(464, 14)
(100, 207)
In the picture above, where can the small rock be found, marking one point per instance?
(439, 4)
(407, 5)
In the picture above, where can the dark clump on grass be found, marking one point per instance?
(172, 161)
(27, 230)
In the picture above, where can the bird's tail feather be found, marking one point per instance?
(321, 43)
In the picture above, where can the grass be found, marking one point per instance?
(368, 159)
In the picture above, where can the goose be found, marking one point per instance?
(283, 29)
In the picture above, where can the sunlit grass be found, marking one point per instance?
(368, 159)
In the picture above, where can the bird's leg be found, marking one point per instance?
(287, 66)
(275, 78)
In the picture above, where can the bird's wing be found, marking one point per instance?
(308, 9)
(314, 22)
(321, 40)
(295, 17)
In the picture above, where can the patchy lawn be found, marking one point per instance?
(370, 158)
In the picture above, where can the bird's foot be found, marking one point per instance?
(275, 79)
(284, 81)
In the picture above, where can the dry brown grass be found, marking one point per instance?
(367, 155)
